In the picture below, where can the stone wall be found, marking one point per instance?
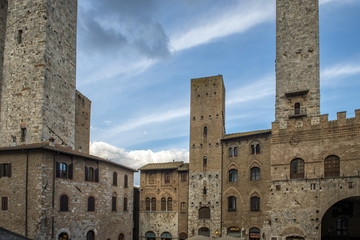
(44, 219)
(82, 123)
(3, 15)
(297, 58)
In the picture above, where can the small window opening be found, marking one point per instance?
(23, 134)
(19, 36)
(205, 131)
(297, 108)
(204, 191)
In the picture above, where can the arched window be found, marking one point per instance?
(121, 236)
(255, 173)
(167, 178)
(115, 179)
(234, 231)
(169, 204)
(297, 108)
(63, 236)
(332, 166)
(113, 202)
(232, 204)
(64, 203)
(205, 131)
(254, 234)
(230, 152)
(63, 170)
(153, 204)
(125, 204)
(204, 232)
(125, 181)
(255, 204)
(235, 151)
(91, 204)
(147, 201)
(255, 148)
(166, 236)
(163, 204)
(204, 213)
(150, 236)
(342, 227)
(90, 235)
(151, 178)
(297, 168)
(204, 163)
(233, 175)
(91, 174)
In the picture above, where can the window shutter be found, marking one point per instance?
(1, 170)
(86, 174)
(97, 175)
(57, 169)
(70, 171)
(9, 169)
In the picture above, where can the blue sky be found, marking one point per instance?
(135, 59)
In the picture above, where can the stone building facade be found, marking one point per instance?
(50, 186)
(298, 180)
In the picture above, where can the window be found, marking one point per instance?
(255, 204)
(230, 152)
(150, 236)
(183, 177)
(169, 204)
(332, 166)
(254, 234)
(341, 227)
(297, 108)
(204, 190)
(90, 235)
(205, 131)
(125, 181)
(166, 236)
(255, 173)
(64, 203)
(167, 178)
(297, 168)
(91, 204)
(235, 151)
(204, 163)
(148, 204)
(163, 204)
(153, 204)
(255, 148)
(113, 202)
(19, 36)
(5, 170)
(152, 179)
(114, 179)
(63, 236)
(183, 207)
(91, 174)
(233, 174)
(232, 204)
(4, 203)
(125, 204)
(23, 135)
(121, 236)
(64, 171)
(204, 213)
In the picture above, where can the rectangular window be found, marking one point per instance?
(125, 204)
(183, 207)
(5, 170)
(167, 178)
(4, 203)
(23, 135)
(313, 186)
(113, 204)
(184, 177)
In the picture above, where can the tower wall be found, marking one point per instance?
(297, 59)
(207, 110)
(3, 14)
(39, 76)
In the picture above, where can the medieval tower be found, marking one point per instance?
(206, 129)
(38, 74)
(297, 60)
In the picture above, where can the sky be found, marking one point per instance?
(135, 60)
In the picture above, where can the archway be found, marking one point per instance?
(63, 236)
(204, 232)
(341, 220)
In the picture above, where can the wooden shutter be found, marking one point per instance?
(97, 175)
(57, 169)
(86, 174)
(1, 169)
(70, 171)
(9, 169)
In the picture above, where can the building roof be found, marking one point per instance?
(163, 166)
(63, 150)
(184, 167)
(245, 134)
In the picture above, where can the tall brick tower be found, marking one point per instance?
(206, 130)
(297, 60)
(38, 83)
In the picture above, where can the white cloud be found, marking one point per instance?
(238, 19)
(332, 75)
(137, 158)
(322, 2)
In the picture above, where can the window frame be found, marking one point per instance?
(91, 204)
(297, 168)
(255, 204)
(232, 204)
(255, 174)
(233, 175)
(332, 166)
(64, 203)
(4, 203)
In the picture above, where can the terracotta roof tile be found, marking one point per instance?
(159, 166)
(245, 134)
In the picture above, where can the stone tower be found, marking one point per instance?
(297, 60)
(206, 130)
(38, 72)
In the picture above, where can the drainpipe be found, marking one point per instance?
(53, 197)
(26, 193)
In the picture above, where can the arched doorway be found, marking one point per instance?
(234, 232)
(204, 231)
(90, 235)
(254, 234)
(63, 236)
(341, 220)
